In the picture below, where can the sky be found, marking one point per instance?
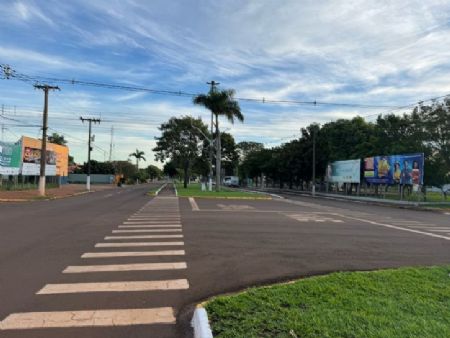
(380, 53)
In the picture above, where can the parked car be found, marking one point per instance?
(231, 181)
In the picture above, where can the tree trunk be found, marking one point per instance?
(186, 173)
(218, 154)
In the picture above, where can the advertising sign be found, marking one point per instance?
(394, 169)
(56, 158)
(32, 159)
(344, 171)
(10, 158)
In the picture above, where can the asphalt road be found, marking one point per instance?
(229, 245)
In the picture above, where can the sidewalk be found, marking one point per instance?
(66, 190)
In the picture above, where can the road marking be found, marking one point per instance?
(125, 267)
(396, 227)
(133, 254)
(151, 226)
(145, 230)
(165, 219)
(194, 204)
(123, 317)
(142, 237)
(137, 244)
(177, 284)
(151, 222)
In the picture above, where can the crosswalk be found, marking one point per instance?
(157, 224)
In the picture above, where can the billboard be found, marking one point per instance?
(10, 157)
(344, 171)
(57, 158)
(394, 169)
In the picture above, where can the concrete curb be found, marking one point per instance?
(157, 191)
(43, 198)
(200, 323)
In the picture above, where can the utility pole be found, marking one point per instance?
(314, 165)
(3, 125)
(46, 89)
(213, 85)
(88, 178)
(111, 144)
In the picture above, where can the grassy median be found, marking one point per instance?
(195, 190)
(407, 302)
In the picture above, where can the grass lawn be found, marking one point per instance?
(194, 190)
(406, 302)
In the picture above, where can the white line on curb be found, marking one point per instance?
(200, 324)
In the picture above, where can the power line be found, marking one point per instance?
(11, 74)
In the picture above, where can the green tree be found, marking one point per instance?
(181, 141)
(153, 171)
(57, 139)
(230, 156)
(139, 155)
(170, 169)
(220, 103)
(246, 147)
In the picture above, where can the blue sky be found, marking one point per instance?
(388, 53)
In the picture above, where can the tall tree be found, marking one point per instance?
(139, 156)
(153, 171)
(220, 103)
(181, 141)
(57, 139)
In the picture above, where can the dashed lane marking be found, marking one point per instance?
(151, 226)
(133, 254)
(142, 237)
(125, 267)
(137, 244)
(161, 285)
(151, 222)
(63, 319)
(145, 230)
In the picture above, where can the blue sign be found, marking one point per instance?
(394, 169)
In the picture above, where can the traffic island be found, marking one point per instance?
(405, 302)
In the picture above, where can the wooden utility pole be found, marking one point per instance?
(46, 89)
(88, 178)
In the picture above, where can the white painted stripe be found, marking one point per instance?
(123, 317)
(162, 285)
(145, 230)
(151, 222)
(137, 219)
(124, 267)
(194, 204)
(142, 237)
(133, 254)
(395, 227)
(137, 244)
(151, 226)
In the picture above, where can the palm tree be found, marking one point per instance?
(220, 103)
(139, 156)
